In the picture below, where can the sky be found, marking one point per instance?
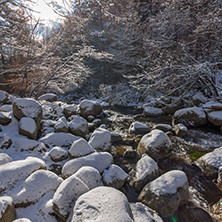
(45, 12)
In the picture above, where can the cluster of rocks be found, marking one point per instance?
(70, 173)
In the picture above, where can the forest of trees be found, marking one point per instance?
(161, 47)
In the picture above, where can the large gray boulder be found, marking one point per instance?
(78, 126)
(35, 187)
(210, 162)
(90, 108)
(50, 97)
(156, 144)
(5, 118)
(15, 171)
(4, 97)
(190, 117)
(99, 161)
(138, 128)
(102, 204)
(100, 140)
(28, 108)
(145, 171)
(166, 193)
(28, 127)
(114, 176)
(66, 195)
(142, 213)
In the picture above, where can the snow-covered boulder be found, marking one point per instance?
(180, 130)
(6, 108)
(138, 128)
(70, 110)
(210, 162)
(61, 125)
(5, 141)
(101, 140)
(100, 161)
(80, 148)
(15, 171)
(27, 108)
(22, 220)
(66, 195)
(215, 117)
(27, 127)
(156, 144)
(78, 126)
(5, 158)
(114, 176)
(4, 97)
(24, 144)
(102, 204)
(35, 186)
(50, 97)
(166, 193)
(152, 111)
(212, 105)
(164, 127)
(193, 116)
(90, 176)
(58, 154)
(142, 213)
(5, 118)
(145, 171)
(59, 139)
(7, 209)
(90, 108)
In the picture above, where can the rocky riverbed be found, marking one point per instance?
(72, 161)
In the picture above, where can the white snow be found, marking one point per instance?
(100, 161)
(11, 173)
(40, 211)
(59, 139)
(101, 140)
(36, 185)
(80, 148)
(114, 173)
(5, 158)
(145, 166)
(6, 108)
(5, 202)
(27, 124)
(168, 183)
(25, 144)
(90, 176)
(67, 193)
